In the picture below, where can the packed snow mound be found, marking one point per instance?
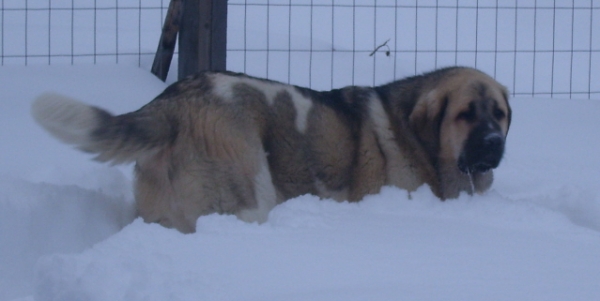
(389, 246)
(42, 218)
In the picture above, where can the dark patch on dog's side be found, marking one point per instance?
(291, 168)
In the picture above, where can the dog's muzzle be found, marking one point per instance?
(482, 151)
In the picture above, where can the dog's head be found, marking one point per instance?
(464, 119)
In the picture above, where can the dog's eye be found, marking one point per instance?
(499, 114)
(468, 115)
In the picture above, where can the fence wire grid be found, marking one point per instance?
(80, 31)
(536, 48)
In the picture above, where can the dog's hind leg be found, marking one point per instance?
(217, 165)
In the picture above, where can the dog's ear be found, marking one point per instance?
(426, 118)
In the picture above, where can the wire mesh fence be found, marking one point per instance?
(82, 31)
(534, 47)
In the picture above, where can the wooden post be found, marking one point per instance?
(168, 38)
(202, 36)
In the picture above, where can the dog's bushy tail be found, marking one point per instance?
(116, 139)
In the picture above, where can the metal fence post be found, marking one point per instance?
(202, 36)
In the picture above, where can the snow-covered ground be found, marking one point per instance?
(68, 232)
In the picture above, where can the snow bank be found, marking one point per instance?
(387, 247)
(38, 219)
(54, 199)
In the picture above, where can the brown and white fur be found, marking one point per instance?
(230, 143)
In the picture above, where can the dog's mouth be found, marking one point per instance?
(477, 167)
(481, 154)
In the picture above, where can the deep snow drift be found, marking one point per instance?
(67, 228)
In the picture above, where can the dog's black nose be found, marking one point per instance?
(493, 141)
(490, 153)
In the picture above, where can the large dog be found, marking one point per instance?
(230, 143)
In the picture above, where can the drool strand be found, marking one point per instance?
(471, 182)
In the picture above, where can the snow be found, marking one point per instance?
(68, 231)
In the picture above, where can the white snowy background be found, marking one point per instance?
(68, 230)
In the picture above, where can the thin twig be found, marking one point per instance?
(378, 47)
